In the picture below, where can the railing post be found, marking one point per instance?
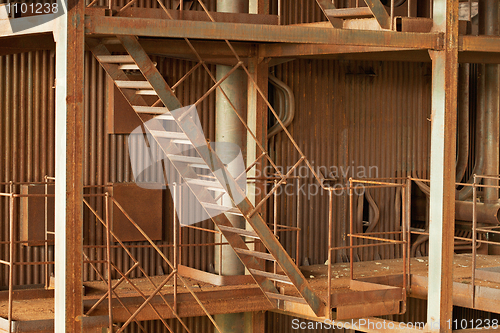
(408, 230)
(275, 224)
(46, 245)
(298, 224)
(11, 255)
(176, 243)
(330, 241)
(351, 212)
(404, 218)
(474, 239)
(108, 255)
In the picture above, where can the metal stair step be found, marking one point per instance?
(165, 116)
(286, 298)
(210, 185)
(223, 209)
(168, 135)
(183, 142)
(133, 67)
(147, 92)
(130, 67)
(133, 84)
(111, 41)
(200, 166)
(257, 254)
(271, 276)
(195, 162)
(115, 59)
(242, 232)
(152, 110)
(345, 13)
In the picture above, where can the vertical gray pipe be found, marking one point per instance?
(488, 25)
(463, 120)
(228, 128)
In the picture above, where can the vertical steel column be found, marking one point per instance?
(228, 128)
(257, 122)
(442, 173)
(258, 322)
(488, 25)
(69, 36)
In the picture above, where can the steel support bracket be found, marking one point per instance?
(327, 4)
(379, 12)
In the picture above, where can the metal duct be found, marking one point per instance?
(286, 110)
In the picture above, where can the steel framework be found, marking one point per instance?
(116, 31)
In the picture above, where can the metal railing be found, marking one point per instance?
(475, 230)
(372, 236)
(13, 240)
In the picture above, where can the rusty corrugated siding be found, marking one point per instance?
(372, 113)
(352, 114)
(27, 133)
(297, 11)
(391, 133)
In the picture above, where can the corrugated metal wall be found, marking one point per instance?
(356, 119)
(348, 114)
(26, 139)
(336, 129)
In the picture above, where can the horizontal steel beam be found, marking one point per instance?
(216, 52)
(479, 43)
(298, 50)
(216, 302)
(100, 25)
(194, 15)
(25, 43)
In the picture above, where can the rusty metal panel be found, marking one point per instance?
(413, 24)
(26, 139)
(352, 114)
(298, 11)
(143, 205)
(121, 118)
(32, 215)
(363, 311)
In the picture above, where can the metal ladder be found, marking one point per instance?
(374, 9)
(188, 133)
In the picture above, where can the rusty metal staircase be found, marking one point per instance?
(374, 9)
(188, 133)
